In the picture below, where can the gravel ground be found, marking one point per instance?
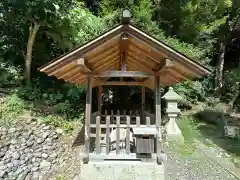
(193, 167)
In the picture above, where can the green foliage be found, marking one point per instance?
(59, 121)
(191, 92)
(10, 109)
(9, 75)
(188, 126)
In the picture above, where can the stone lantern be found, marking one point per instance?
(173, 132)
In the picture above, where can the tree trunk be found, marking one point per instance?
(28, 59)
(219, 69)
(236, 95)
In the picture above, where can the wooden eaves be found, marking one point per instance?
(125, 51)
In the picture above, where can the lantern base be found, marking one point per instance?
(173, 132)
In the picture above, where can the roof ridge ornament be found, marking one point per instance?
(126, 16)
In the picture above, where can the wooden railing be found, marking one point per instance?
(113, 133)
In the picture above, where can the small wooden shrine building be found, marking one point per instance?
(123, 51)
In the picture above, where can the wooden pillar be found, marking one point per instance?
(88, 114)
(143, 103)
(100, 99)
(158, 120)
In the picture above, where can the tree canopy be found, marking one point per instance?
(34, 32)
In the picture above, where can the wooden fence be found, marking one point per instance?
(121, 126)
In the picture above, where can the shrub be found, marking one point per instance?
(10, 109)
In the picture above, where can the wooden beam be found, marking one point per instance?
(122, 74)
(143, 102)
(158, 119)
(137, 63)
(88, 114)
(122, 83)
(123, 51)
(81, 62)
(63, 68)
(71, 73)
(100, 99)
(139, 52)
(105, 60)
(106, 64)
(162, 68)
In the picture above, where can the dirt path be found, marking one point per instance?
(195, 166)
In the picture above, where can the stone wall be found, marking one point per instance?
(30, 150)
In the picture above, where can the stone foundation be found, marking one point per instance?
(121, 170)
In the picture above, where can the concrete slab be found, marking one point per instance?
(122, 170)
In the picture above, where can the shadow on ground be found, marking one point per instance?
(213, 129)
(79, 139)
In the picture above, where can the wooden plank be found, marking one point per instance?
(71, 73)
(123, 53)
(138, 121)
(118, 135)
(100, 99)
(148, 123)
(122, 83)
(168, 63)
(88, 115)
(128, 136)
(108, 134)
(110, 59)
(81, 62)
(62, 70)
(98, 135)
(123, 74)
(139, 63)
(122, 125)
(142, 53)
(142, 102)
(158, 120)
(137, 66)
(105, 67)
(112, 49)
(141, 60)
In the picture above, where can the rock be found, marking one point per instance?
(40, 140)
(3, 167)
(10, 165)
(46, 128)
(2, 173)
(36, 175)
(16, 155)
(22, 176)
(37, 154)
(13, 141)
(54, 155)
(2, 153)
(44, 155)
(19, 171)
(35, 168)
(45, 164)
(59, 131)
(30, 166)
(29, 155)
(29, 143)
(49, 140)
(16, 162)
(22, 162)
(45, 135)
(12, 130)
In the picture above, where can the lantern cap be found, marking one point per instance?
(126, 16)
(172, 95)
